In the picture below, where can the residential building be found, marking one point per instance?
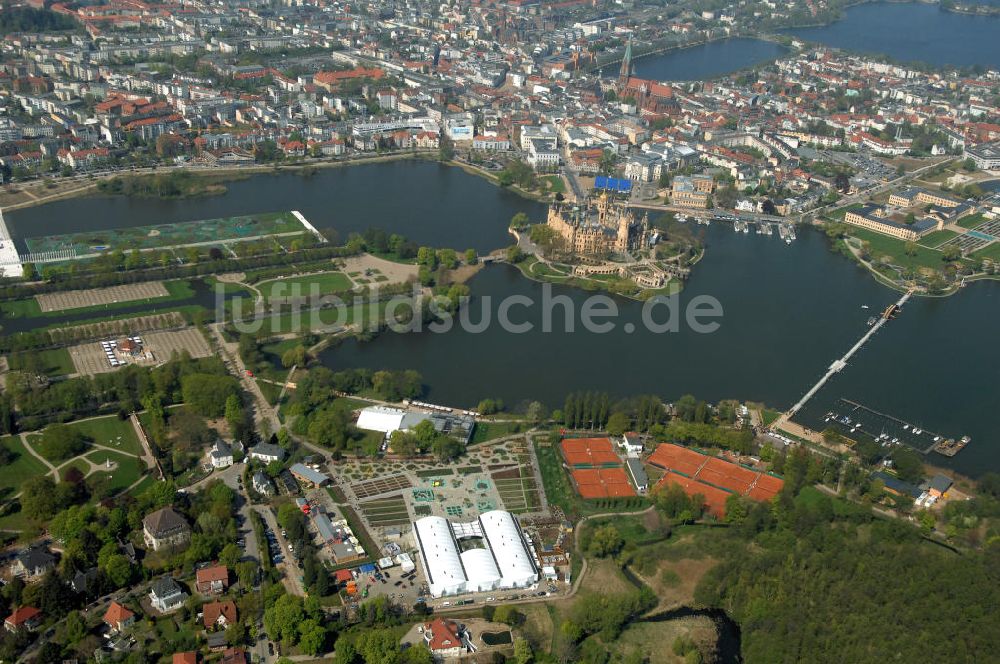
(190, 657)
(118, 617)
(218, 614)
(221, 454)
(24, 618)
(267, 452)
(33, 562)
(166, 595)
(444, 638)
(165, 528)
(262, 484)
(212, 580)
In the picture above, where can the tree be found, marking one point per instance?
(522, 651)
(230, 555)
(282, 619)
(520, 220)
(294, 357)
(38, 497)
(618, 423)
(61, 442)
(605, 541)
(951, 253)
(206, 394)
(536, 412)
(312, 637)
(508, 615)
(514, 254)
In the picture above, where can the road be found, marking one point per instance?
(289, 570)
(263, 412)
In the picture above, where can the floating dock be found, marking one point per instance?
(889, 430)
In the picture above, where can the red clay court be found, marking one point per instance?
(713, 478)
(602, 483)
(715, 499)
(589, 452)
(678, 459)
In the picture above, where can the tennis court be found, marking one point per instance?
(602, 483)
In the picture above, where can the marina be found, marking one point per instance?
(853, 418)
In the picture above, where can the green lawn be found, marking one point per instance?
(307, 321)
(110, 432)
(991, 251)
(322, 284)
(971, 221)
(556, 184)
(769, 416)
(937, 238)
(485, 431)
(883, 245)
(23, 466)
(53, 362)
(28, 307)
(129, 470)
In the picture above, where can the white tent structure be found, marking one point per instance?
(381, 418)
(504, 560)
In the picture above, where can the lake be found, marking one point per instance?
(789, 310)
(913, 32)
(427, 202)
(706, 60)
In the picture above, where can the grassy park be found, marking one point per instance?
(322, 283)
(21, 466)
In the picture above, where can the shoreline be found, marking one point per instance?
(238, 173)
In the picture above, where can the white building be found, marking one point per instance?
(221, 455)
(381, 418)
(503, 560)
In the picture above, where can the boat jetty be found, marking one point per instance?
(889, 431)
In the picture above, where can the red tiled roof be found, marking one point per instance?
(444, 635)
(22, 615)
(212, 611)
(214, 573)
(117, 614)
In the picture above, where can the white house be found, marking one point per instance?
(221, 454)
(165, 595)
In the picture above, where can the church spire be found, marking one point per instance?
(626, 70)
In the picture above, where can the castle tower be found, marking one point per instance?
(626, 71)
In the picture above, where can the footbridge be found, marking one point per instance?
(10, 261)
(838, 365)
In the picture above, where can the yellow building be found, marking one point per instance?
(692, 192)
(606, 227)
(873, 217)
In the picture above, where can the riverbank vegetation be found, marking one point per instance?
(175, 184)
